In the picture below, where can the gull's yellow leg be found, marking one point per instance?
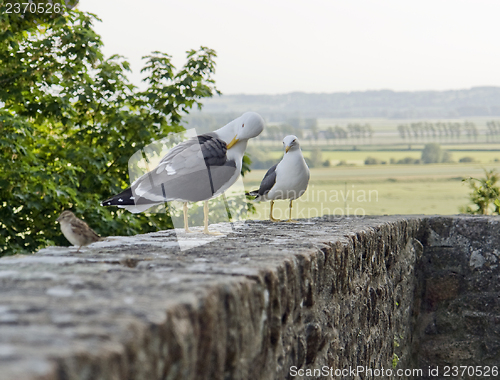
(290, 215)
(271, 214)
(205, 213)
(186, 226)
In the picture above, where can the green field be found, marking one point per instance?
(378, 189)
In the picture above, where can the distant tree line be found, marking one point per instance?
(439, 131)
(278, 132)
(307, 129)
(352, 131)
(493, 131)
(336, 134)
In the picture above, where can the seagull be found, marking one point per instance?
(288, 179)
(197, 169)
(76, 230)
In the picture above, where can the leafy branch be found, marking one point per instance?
(485, 194)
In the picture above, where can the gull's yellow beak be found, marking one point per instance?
(233, 141)
(287, 149)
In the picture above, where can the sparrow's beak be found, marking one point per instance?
(287, 149)
(233, 141)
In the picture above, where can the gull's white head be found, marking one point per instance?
(291, 143)
(247, 126)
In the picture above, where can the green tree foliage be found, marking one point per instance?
(316, 158)
(466, 159)
(485, 194)
(70, 120)
(372, 161)
(261, 158)
(407, 161)
(433, 154)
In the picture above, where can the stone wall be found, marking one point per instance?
(264, 302)
(459, 294)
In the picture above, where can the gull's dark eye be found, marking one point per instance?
(242, 125)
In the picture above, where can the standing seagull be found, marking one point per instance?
(76, 230)
(286, 180)
(196, 170)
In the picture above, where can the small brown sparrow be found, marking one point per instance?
(76, 230)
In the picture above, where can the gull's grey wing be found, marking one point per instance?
(268, 181)
(194, 170)
(213, 149)
(189, 153)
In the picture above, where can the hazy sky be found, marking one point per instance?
(278, 46)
